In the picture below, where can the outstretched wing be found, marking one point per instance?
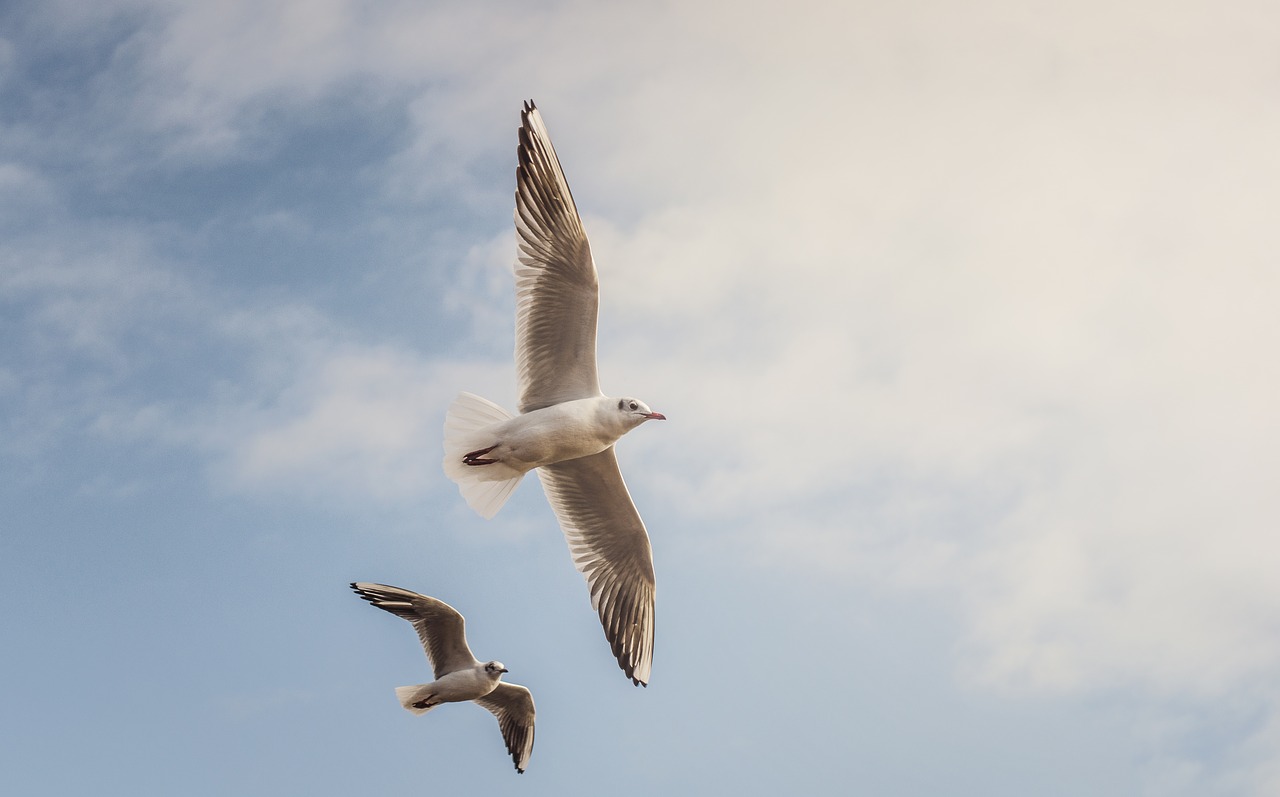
(557, 292)
(610, 547)
(440, 627)
(512, 704)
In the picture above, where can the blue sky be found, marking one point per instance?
(963, 317)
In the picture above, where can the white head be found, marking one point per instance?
(494, 670)
(636, 412)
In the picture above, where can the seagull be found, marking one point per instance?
(459, 675)
(566, 427)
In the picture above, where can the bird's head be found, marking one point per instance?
(494, 669)
(637, 412)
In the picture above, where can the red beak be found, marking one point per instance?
(656, 416)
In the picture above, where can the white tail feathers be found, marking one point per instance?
(408, 695)
(467, 428)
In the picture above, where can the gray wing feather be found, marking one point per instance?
(512, 704)
(557, 288)
(610, 547)
(440, 627)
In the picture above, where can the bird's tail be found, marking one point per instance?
(467, 429)
(416, 698)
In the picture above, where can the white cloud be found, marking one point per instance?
(309, 412)
(1107, 376)
(1040, 309)
(364, 422)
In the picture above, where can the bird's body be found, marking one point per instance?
(517, 445)
(455, 687)
(567, 426)
(460, 677)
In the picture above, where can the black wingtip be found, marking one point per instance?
(529, 107)
(363, 594)
(628, 667)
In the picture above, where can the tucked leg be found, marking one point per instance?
(474, 457)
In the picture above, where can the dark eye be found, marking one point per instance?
(634, 405)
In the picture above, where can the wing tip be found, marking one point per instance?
(638, 680)
(529, 109)
(636, 664)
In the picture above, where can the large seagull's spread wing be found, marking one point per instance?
(557, 292)
(610, 547)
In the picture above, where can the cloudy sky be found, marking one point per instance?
(963, 314)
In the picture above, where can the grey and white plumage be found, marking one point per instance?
(459, 675)
(566, 427)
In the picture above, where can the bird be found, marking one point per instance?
(459, 675)
(566, 427)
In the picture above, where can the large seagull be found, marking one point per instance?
(566, 427)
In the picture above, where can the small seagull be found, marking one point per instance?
(459, 675)
(567, 426)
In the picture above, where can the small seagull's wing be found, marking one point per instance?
(610, 547)
(512, 704)
(442, 630)
(557, 293)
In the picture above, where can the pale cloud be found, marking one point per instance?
(211, 70)
(291, 401)
(82, 294)
(1009, 344)
(363, 415)
(21, 183)
(364, 423)
(1109, 399)
(484, 294)
(310, 412)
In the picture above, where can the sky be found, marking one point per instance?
(963, 316)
